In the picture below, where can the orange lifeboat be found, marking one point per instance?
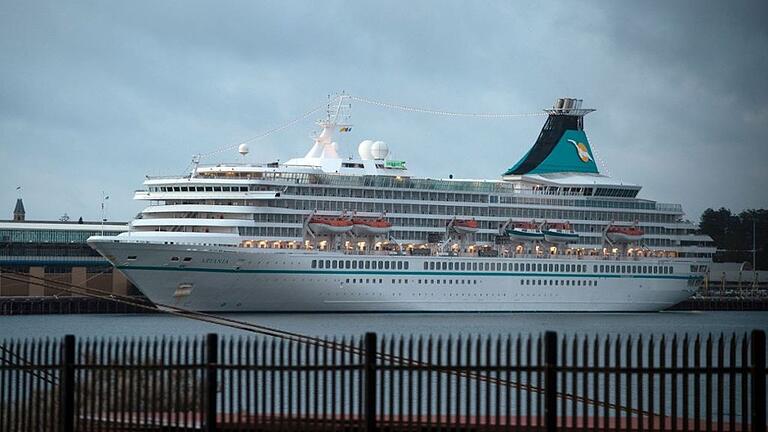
(370, 226)
(329, 225)
(624, 234)
(464, 226)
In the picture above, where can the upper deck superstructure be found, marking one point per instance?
(558, 180)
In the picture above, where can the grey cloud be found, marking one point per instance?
(94, 95)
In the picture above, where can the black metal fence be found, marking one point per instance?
(541, 382)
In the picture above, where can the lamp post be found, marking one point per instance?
(104, 198)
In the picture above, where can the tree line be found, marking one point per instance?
(733, 234)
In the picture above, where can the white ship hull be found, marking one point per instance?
(236, 279)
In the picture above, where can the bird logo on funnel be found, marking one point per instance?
(582, 150)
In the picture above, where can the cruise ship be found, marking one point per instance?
(332, 233)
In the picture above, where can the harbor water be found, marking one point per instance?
(646, 324)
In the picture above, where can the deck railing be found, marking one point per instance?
(537, 382)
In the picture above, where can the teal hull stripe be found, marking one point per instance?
(405, 273)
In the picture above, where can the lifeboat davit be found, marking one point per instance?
(624, 234)
(560, 233)
(525, 232)
(465, 226)
(329, 225)
(370, 226)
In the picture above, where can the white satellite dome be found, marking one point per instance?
(243, 149)
(364, 150)
(379, 150)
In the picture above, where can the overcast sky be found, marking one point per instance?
(96, 95)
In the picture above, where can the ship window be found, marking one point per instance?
(187, 259)
(367, 264)
(334, 264)
(671, 270)
(431, 265)
(655, 269)
(174, 258)
(426, 265)
(327, 264)
(131, 258)
(386, 265)
(314, 263)
(505, 266)
(645, 269)
(405, 265)
(444, 265)
(208, 189)
(623, 269)
(225, 188)
(399, 265)
(381, 265)
(450, 266)
(602, 268)
(217, 188)
(348, 264)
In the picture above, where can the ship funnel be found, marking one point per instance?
(562, 145)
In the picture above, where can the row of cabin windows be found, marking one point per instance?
(360, 264)
(525, 282)
(503, 266)
(632, 269)
(420, 281)
(558, 282)
(199, 189)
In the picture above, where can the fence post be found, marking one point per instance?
(550, 381)
(211, 382)
(67, 405)
(758, 380)
(370, 382)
